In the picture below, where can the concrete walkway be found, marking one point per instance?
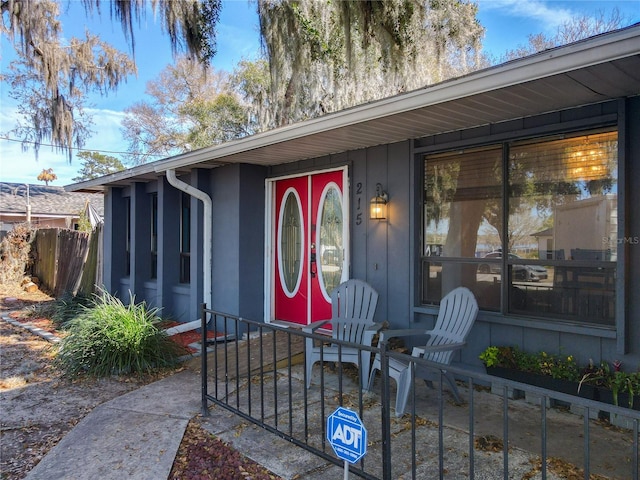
(134, 436)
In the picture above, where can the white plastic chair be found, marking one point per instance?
(458, 312)
(353, 305)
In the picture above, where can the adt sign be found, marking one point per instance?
(347, 435)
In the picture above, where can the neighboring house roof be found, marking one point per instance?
(547, 232)
(46, 201)
(597, 69)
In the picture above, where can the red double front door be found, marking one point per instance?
(309, 238)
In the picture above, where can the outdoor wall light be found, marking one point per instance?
(378, 204)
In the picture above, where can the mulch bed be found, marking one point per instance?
(203, 456)
(184, 339)
(187, 338)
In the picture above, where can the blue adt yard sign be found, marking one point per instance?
(347, 435)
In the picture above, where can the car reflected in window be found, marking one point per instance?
(527, 273)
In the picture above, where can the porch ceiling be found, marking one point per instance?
(594, 70)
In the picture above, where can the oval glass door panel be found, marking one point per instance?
(330, 239)
(291, 243)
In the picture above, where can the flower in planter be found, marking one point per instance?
(541, 363)
(560, 367)
(617, 381)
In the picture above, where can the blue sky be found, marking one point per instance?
(508, 24)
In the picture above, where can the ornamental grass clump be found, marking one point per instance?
(110, 338)
(68, 307)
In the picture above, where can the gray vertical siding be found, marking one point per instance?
(114, 239)
(251, 242)
(226, 246)
(140, 239)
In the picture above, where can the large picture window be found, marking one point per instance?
(530, 227)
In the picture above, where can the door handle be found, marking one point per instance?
(314, 268)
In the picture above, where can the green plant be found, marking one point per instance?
(525, 361)
(541, 363)
(617, 381)
(110, 338)
(68, 307)
(633, 387)
(506, 357)
(565, 367)
(558, 366)
(622, 382)
(491, 357)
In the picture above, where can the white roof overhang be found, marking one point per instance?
(597, 69)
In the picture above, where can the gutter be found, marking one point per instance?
(207, 234)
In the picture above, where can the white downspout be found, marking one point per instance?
(207, 234)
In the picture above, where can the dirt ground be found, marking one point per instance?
(39, 405)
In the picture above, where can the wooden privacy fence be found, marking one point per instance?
(68, 261)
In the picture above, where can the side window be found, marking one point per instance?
(185, 238)
(127, 207)
(154, 235)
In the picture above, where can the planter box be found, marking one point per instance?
(544, 381)
(606, 396)
(513, 394)
(622, 421)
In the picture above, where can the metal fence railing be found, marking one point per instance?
(256, 371)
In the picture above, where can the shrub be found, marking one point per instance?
(110, 338)
(68, 307)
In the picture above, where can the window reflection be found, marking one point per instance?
(560, 228)
(463, 211)
(291, 243)
(331, 240)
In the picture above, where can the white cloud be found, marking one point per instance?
(108, 136)
(549, 15)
